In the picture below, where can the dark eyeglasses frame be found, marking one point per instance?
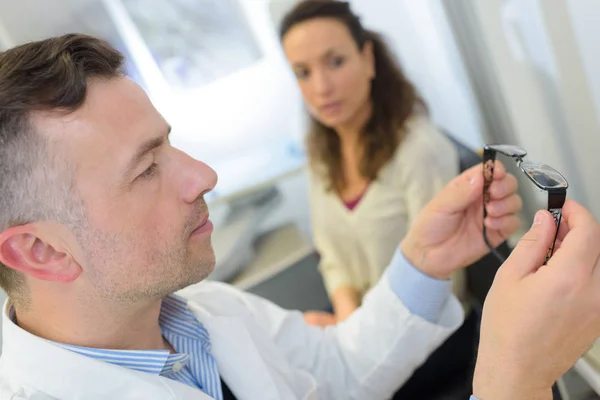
(556, 195)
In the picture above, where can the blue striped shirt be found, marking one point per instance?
(193, 363)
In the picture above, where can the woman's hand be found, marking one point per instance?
(345, 299)
(319, 318)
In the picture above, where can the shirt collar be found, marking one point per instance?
(76, 375)
(176, 318)
(158, 362)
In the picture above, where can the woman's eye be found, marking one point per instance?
(337, 61)
(301, 74)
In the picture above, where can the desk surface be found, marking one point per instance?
(285, 271)
(275, 252)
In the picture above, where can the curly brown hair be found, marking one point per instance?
(393, 96)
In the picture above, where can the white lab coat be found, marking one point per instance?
(263, 352)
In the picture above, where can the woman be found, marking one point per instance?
(375, 157)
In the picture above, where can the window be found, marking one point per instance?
(194, 42)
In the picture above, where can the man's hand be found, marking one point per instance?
(538, 320)
(448, 235)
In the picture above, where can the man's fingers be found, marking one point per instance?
(500, 229)
(557, 245)
(563, 229)
(499, 170)
(580, 246)
(509, 205)
(467, 188)
(576, 215)
(460, 192)
(501, 188)
(506, 225)
(476, 172)
(578, 252)
(530, 252)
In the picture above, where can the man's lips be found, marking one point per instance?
(204, 226)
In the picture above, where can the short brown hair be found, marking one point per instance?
(48, 75)
(394, 98)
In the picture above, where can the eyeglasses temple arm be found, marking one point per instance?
(489, 158)
(556, 200)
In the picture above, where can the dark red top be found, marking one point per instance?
(353, 203)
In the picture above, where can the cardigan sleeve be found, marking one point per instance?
(332, 269)
(426, 163)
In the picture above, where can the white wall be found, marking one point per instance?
(26, 20)
(255, 105)
(539, 76)
(420, 35)
(584, 16)
(574, 93)
(5, 39)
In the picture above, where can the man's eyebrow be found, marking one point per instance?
(145, 148)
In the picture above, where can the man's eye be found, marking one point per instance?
(148, 173)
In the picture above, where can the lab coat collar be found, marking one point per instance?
(63, 374)
(241, 363)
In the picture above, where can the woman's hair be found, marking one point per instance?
(393, 97)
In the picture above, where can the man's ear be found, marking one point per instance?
(29, 250)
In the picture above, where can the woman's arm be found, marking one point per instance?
(428, 161)
(336, 277)
(345, 299)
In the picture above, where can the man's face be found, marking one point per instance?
(146, 233)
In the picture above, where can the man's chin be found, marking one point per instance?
(191, 281)
(206, 270)
(201, 271)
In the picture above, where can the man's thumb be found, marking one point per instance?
(533, 247)
(461, 192)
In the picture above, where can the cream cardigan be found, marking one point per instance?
(356, 246)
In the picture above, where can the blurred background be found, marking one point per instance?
(523, 72)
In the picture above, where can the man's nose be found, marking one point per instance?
(200, 180)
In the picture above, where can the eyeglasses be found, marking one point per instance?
(543, 176)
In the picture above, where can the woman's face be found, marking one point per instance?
(332, 72)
